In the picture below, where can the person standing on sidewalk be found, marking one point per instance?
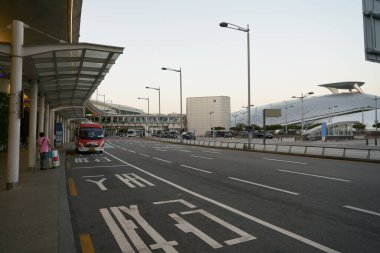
(43, 144)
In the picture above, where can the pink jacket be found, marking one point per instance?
(43, 143)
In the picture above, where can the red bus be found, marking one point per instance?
(89, 138)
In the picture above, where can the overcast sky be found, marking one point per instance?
(295, 45)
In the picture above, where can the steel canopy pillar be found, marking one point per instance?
(33, 126)
(47, 120)
(41, 113)
(14, 104)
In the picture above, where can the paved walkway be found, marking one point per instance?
(35, 216)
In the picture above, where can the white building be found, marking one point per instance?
(204, 113)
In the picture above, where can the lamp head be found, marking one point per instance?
(294, 97)
(147, 87)
(164, 68)
(310, 93)
(223, 24)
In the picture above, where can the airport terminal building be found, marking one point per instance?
(347, 102)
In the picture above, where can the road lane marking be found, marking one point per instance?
(108, 166)
(131, 151)
(189, 167)
(86, 244)
(202, 157)
(244, 236)
(158, 149)
(183, 150)
(212, 152)
(161, 159)
(236, 211)
(123, 243)
(182, 201)
(144, 154)
(285, 161)
(73, 190)
(312, 175)
(186, 227)
(362, 210)
(95, 175)
(264, 186)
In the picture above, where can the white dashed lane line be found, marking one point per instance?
(161, 159)
(202, 157)
(264, 186)
(189, 167)
(284, 161)
(312, 175)
(362, 210)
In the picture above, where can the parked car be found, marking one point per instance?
(260, 134)
(188, 136)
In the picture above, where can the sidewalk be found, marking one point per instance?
(35, 216)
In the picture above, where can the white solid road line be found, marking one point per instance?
(89, 167)
(362, 210)
(312, 175)
(202, 157)
(236, 211)
(189, 167)
(131, 151)
(161, 159)
(144, 155)
(212, 152)
(285, 161)
(158, 149)
(265, 186)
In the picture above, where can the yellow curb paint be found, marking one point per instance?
(73, 191)
(86, 243)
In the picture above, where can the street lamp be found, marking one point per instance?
(147, 123)
(302, 113)
(180, 88)
(235, 118)
(246, 30)
(330, 116)
(159, 101)
(376, 122)
(211, 125)
(286, 117)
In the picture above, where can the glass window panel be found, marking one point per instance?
(94, 73)
(45, 65)
(46, 73)
(67, 72)
(67, 64)
(69, 53)
(92, 64)
(96, 54)
(44, 55)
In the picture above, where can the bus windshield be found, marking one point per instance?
(91, 133)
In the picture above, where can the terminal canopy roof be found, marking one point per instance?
(67, 74)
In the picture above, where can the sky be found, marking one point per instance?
(295, 46)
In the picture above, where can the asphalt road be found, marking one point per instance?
(146, 196)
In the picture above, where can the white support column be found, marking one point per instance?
(52, 127)
(47, 119)
(41, 113)
(13, 165)
(33, 126)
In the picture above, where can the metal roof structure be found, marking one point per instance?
(67, 72)
(334, 87)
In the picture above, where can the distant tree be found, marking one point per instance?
(240, 127)
(256, 127)
(293, 126)
(273, 127)
(378, 125)
(219, 128)
(359, 127)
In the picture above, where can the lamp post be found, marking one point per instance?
(159, 101)
(330, 116)
(302, 113)
(211, 125)
(104, 111)
(246, 30)
(235, 118)
(286, 117)
(147, 123)
(180, 89)
(376, 122)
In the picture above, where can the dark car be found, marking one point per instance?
(259, 134)
(188, 136)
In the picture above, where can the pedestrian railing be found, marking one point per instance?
(324, 151)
